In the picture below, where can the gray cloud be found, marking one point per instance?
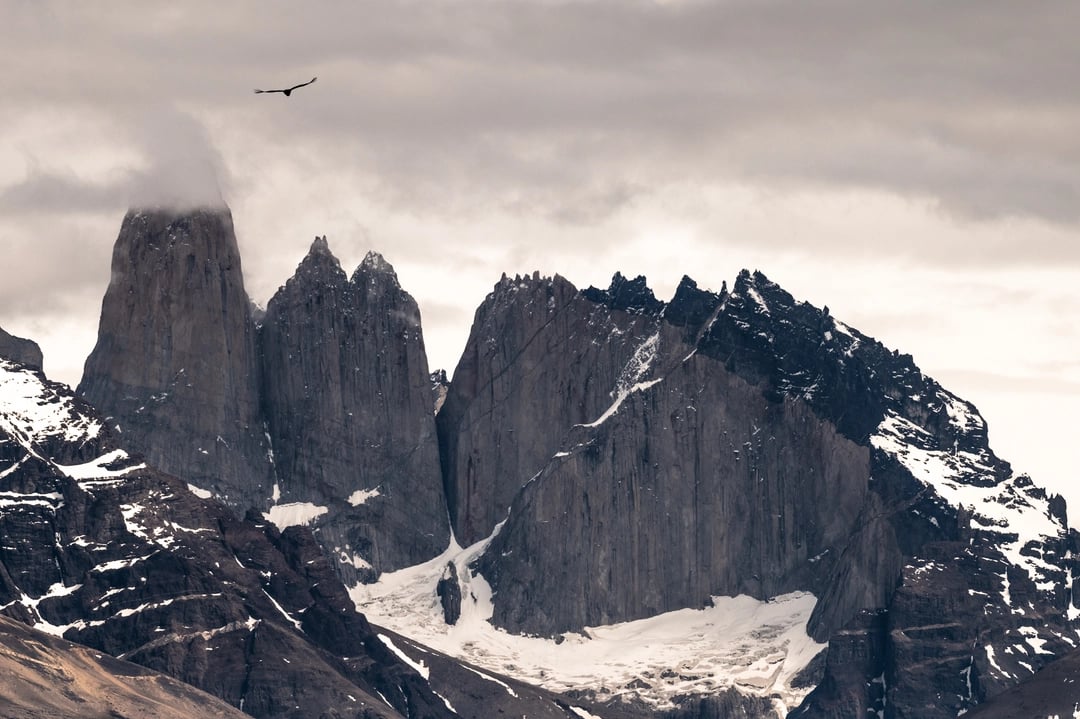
(179, 167)
(969, 105)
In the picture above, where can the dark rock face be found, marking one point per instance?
(17, 349)
(728, 704)
(175, 366)
(695, 489)
(347, 398)
(529, 372)
(679, 477)
(1051, 692)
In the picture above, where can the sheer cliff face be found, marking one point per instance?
(653, 476)
(175, 366)
(696, 486)
(540, 359)
(348, 401)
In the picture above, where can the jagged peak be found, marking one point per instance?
(375, 262)
(320, 246)
(519, 279)
(374, 269)
(626, 294)
(320, 253)
(765, 293)
(691, 305)
(320, 264)
(530, 281)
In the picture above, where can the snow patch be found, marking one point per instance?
(285, 614)
(294, 513)
(97, 468)
(50, 500)
(200, 493)
(583, 714)
(361, 496)
(32, 411)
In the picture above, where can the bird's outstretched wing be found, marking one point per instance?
(288, 91)
(302, 84)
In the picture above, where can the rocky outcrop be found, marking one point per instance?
(17, 349)
(174, 367)
(101, 549)
(347, 399)
(449, 592)
(440, 385)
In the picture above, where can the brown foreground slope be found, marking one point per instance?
(45, 677)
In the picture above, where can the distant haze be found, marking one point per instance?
(914, 166)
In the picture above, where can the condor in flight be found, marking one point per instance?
(288, 91)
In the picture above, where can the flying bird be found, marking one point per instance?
(288, 91)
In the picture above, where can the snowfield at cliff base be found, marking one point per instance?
(755, 646)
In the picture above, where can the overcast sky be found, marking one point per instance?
(914, 165)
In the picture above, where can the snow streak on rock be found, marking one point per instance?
(1014, 510)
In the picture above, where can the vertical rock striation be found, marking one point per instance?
(347, 398)
(648, 476)
(174, 366)
(539, 359)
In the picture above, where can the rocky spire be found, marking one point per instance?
(347, 398)
(174, 366)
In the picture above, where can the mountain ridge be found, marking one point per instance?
(607, 458)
